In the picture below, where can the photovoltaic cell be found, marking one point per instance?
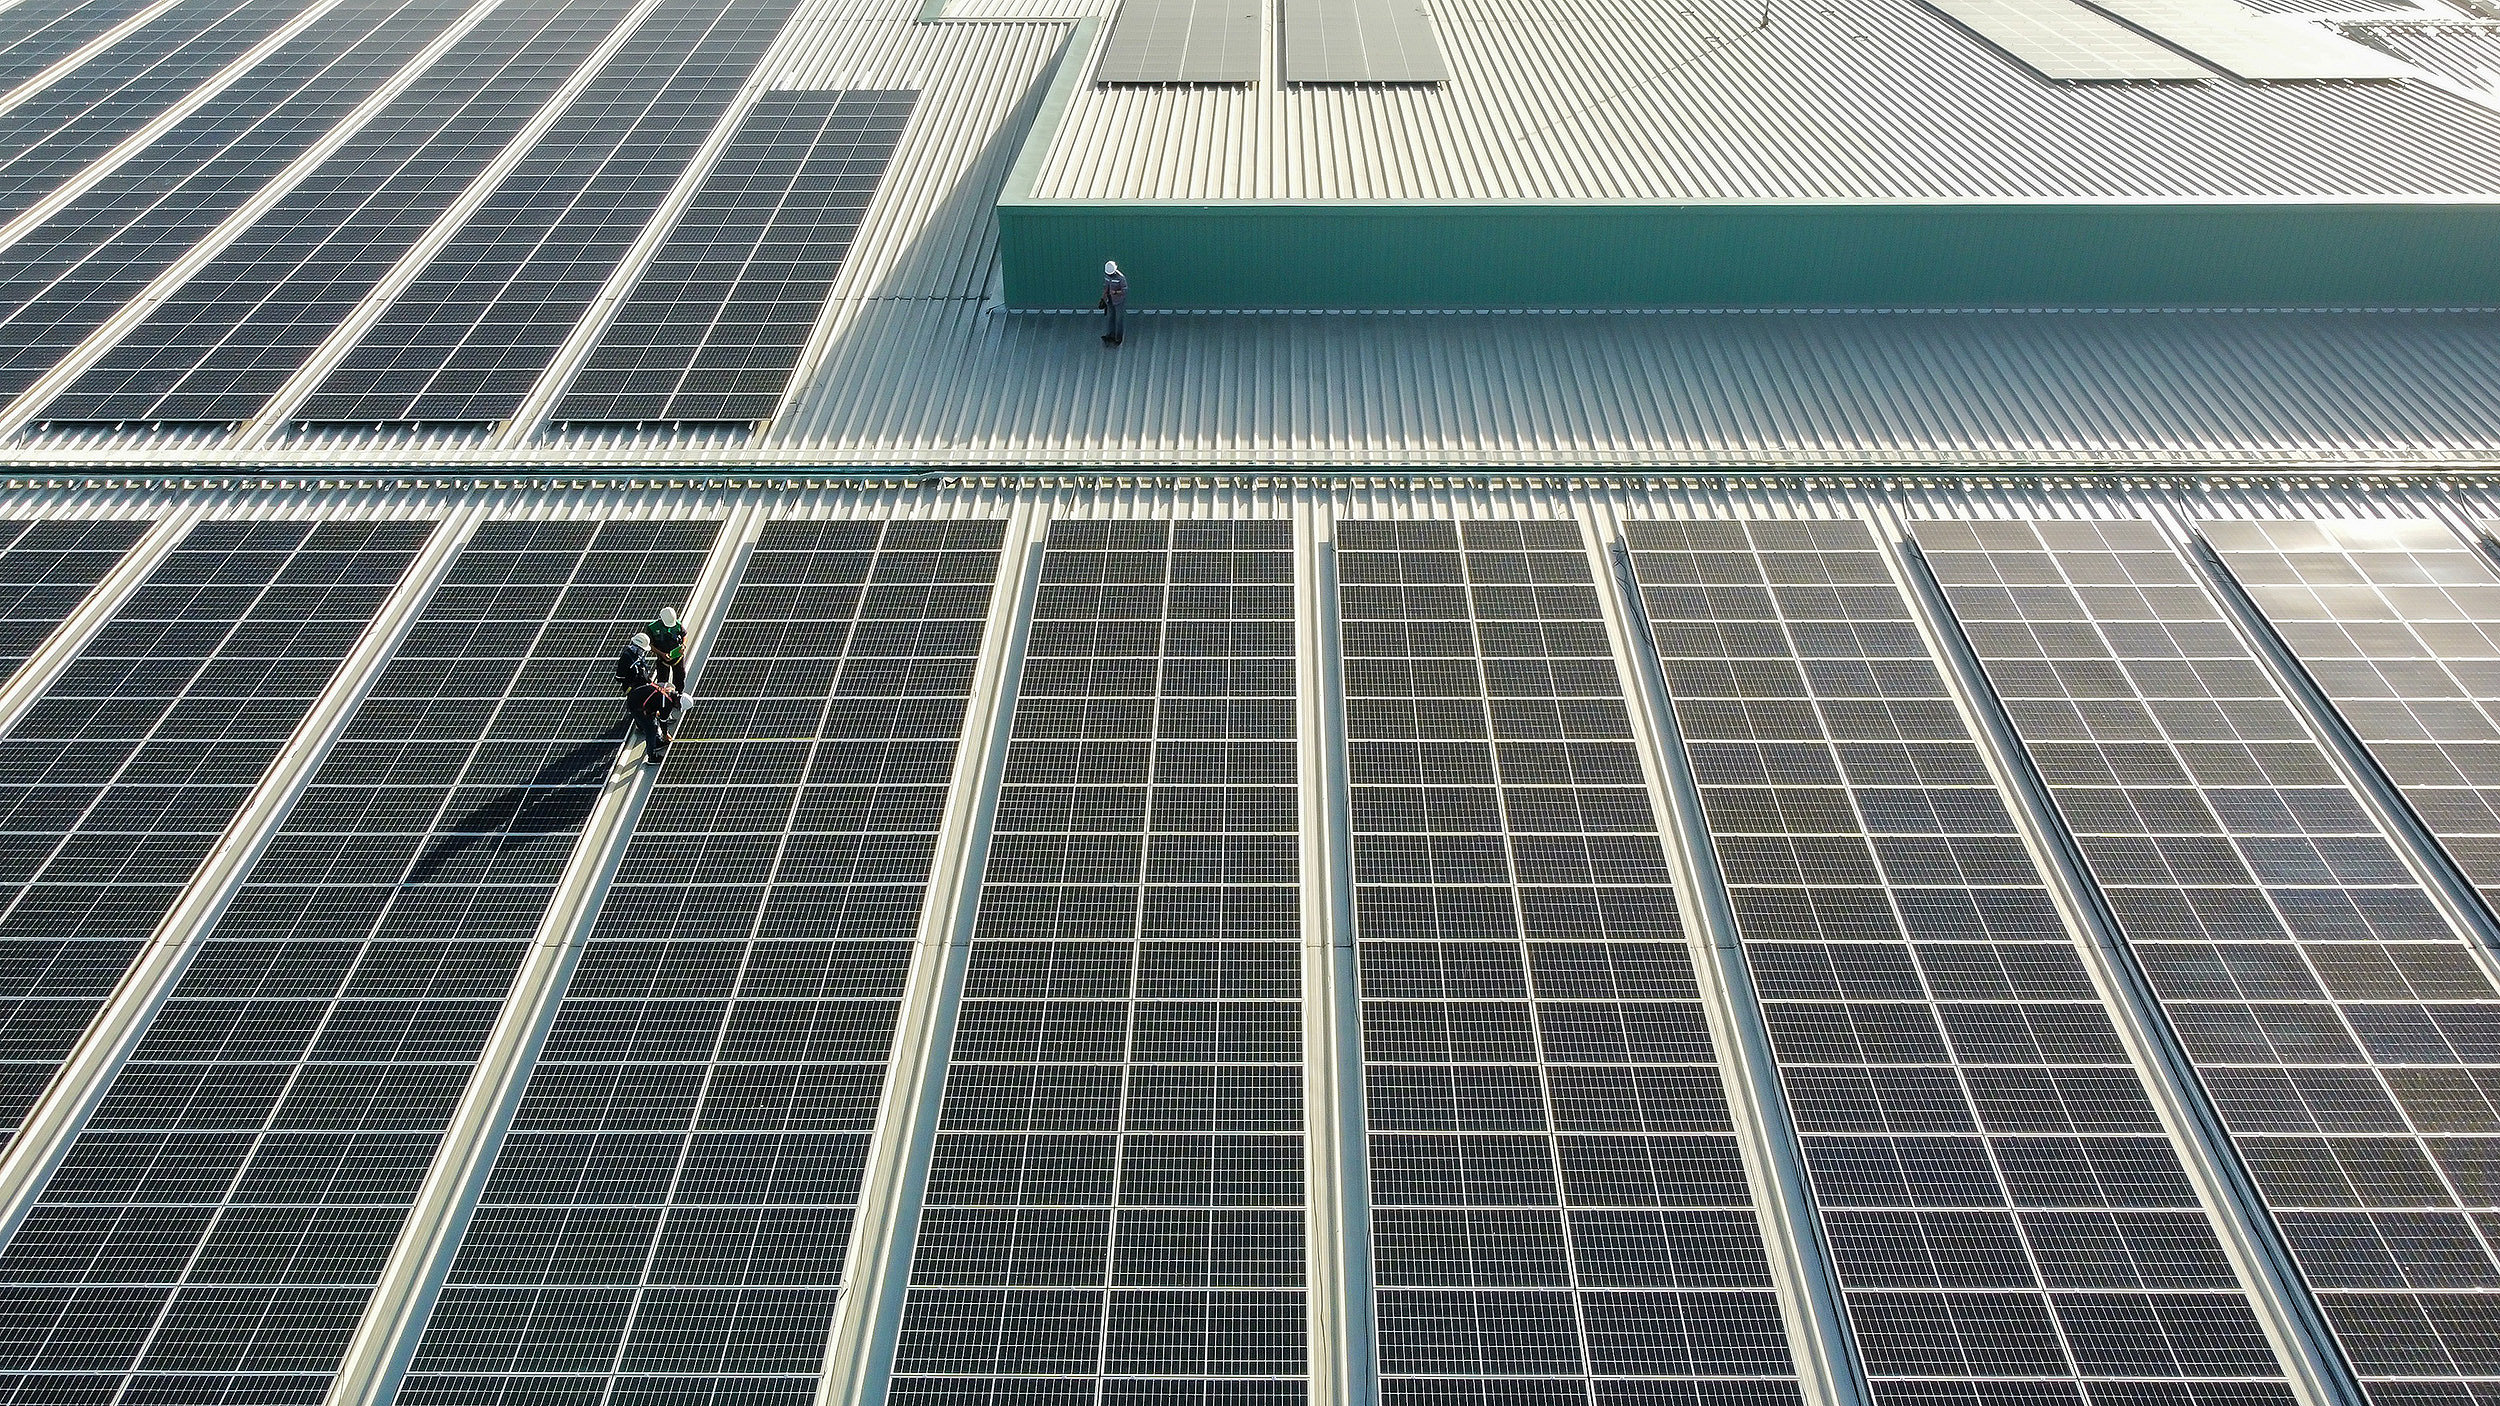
(122, 776)
(1114, 1209)
(2009, 1218)
(58, 132)
(214, 1231)
(44, 32)
(1560, 1211)
(470, 338)
(2398, 623)
(669, 1218)
(230, 337)
(2338, 1023)
(67, 276)
(717, 321)
(46, 570)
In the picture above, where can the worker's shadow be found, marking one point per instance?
(555, 799)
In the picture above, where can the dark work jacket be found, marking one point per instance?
(1114, 290)
(635, 668)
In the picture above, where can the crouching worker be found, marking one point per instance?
(652, 698)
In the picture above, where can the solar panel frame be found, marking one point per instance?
(1981, 1148)
(1362, 41)
(268, 1133)
(1182, 41)
(2296, 958)
(718, 318)
(469, 339)
(1115, 1204)
(1559, 1202)
(220, 347)
(670, 1214)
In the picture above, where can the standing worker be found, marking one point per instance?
(668, 641)
(651, 699)
(1114, 301)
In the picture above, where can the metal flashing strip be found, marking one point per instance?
(2063, 40)
(2269, 48)
(1362, 41)
(1182, 41)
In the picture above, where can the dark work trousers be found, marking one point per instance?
(1111, 319)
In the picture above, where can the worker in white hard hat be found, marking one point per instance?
(651, 695)
(1114, 301)
(668, 642)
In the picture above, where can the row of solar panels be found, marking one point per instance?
(2094, 932)
(205, 201)
(1325, 41)
(2166, 41)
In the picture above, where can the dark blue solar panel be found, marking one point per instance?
(121, 777)
(1114, 1207)
(669, 1217)
(470, 338)
(2009, 1217)
(264, 1141)
(1559, 1203)
(58, 132)
(716, 324)
(46, 569)
(44, 32)
(67, 276)
(223, 344)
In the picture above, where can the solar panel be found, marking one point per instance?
(1560, 1210)
(1182, 41)
(219, 347)
(67, 276)
(669, 1217)
(2242, 42)
(717, 321)
(2064, 40)
(266, 1137)
(2333, 1017)
(1362, 41)
(470, 338)
(44, 32)
(2004, 1207)
(121, 777)
(58, 132)
(2398, 623)
(1114, 1206)
(46, 570)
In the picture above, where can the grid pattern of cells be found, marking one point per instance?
(56, 133)
(2398, 623)
(2008, 1217)
(69, 275)
(469, 339)
(670, 1216)
(46, 570)
(120, 779)
(44, 32)
(1560, 1212)
(214, 1231)
(2349, 1041)
(222, 345)
(1114, 1212)
(716, 324)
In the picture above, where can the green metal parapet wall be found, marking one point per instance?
(1390, 254)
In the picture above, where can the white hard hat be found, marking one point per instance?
(642, 641)
(668, 616)
(1110, 266)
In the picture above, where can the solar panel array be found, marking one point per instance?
(2009, 1217)
(717, 321)
(2398, 623)
(468, 340)
(54, 134)
(2272, 48)
(223, 344)
(66, 277)
(2343, 1031)
(121, 777)
(1182, 41)
(214, 1231)
(2063, 40)
(1114, 1206)
(44, 32)
(1560, 1210)
(46, 570)
(669, 1218)
(1362, 41)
